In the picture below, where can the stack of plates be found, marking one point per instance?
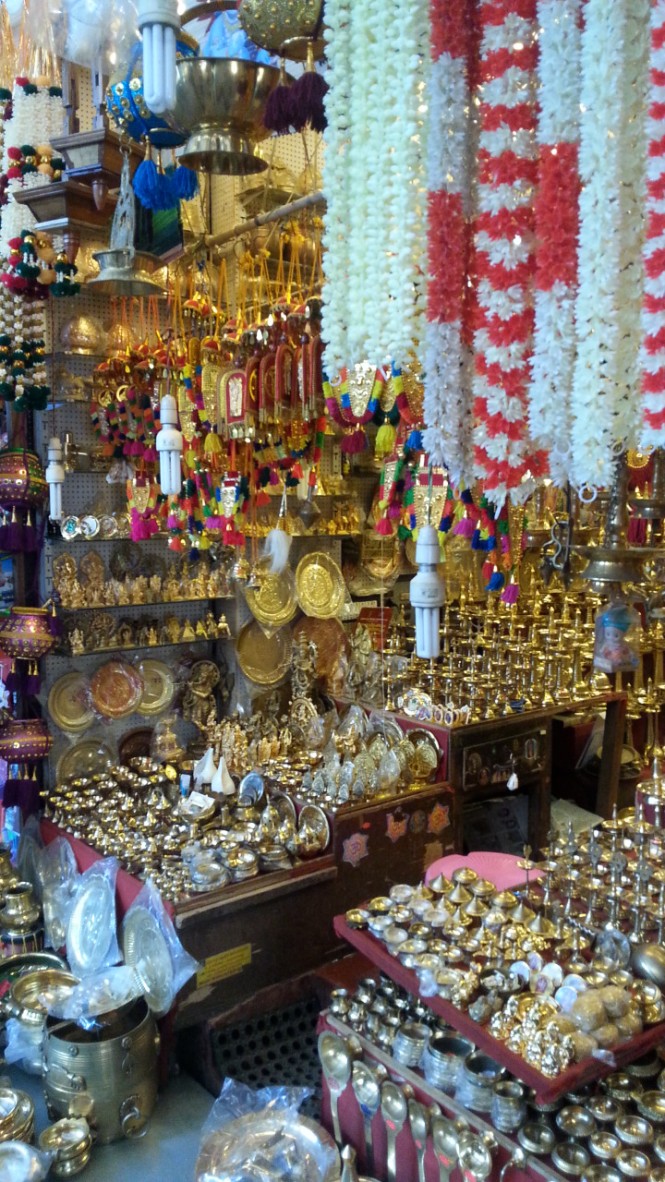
(17, 1116)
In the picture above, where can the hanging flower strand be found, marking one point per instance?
(505, 257)
(444, 357)
(556, 222)
(604, 394)
(653, 308)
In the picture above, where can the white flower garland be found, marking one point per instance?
(652, 356)
(596, 413)
(553, 360)
(632, 194)
(444, 357)
(373, 238)
(336, 184)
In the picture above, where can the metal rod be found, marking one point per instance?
(264, 219)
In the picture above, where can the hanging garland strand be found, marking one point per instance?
(604, 395)
(444, 359)
(505, 262)
(557, 223)
(653, 309)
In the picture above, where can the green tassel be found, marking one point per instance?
(385, 440)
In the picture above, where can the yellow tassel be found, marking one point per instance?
(385, 440)
(213, 444)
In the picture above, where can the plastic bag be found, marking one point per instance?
(57, 902)
(275, 1142)
(96, 995)
(237, 1099)
(57, 863)
(92, 935)
(30, 848)
(25, 1046)
(18, 1160)
(155, 939)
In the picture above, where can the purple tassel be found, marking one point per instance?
(496, 582)
(15, 531)
(511, 594)
(55, 625)
(14, 682)
(30, 543)
(277, 113)
(33, 682)
(307, 107)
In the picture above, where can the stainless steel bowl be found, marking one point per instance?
(219, 103)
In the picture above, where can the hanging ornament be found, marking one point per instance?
(426, 593)
(55, 478)
(653, 308)
(169, 447)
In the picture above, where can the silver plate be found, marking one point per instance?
(146, 950)
(225, 1152)
(91, 927)
(311, 814)
(251, 788)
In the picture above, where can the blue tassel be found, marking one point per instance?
(496, 583)
(153, 189)
(415, 441)
(185, 183)
(445, 524)
(476, 542)
(465, 497)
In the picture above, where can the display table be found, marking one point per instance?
(478, 759)
(253, 935)
(546, 1090)
(170, 1147)
(351, 1124)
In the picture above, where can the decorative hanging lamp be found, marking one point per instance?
(123, 270)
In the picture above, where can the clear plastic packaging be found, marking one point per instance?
(58, 878)
(256, 1135)
(97, 995)
(25, 1046)
(30, 848)
(23, 1163)
(152, 948)
(92, 937)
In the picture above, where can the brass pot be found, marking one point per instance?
(109, 1075)
(279, 25)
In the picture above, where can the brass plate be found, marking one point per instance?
(274, 602)
(265, 660)
(68, 703)
(330, 639)
(320, 586)
(158, 687)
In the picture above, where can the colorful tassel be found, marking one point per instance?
(277, 112)
(511, 593)
(385, 440)
(465, 527)
(496, 581)
(184, 183)
(153, 189)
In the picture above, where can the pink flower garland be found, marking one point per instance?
(505, 259)
(444, 356)
(653, 307)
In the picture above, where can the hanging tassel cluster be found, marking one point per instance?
(298, 105)
(65, 277)
(158, 189)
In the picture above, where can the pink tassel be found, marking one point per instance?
(274, 478)
(505, 543)
(511, 593)
(214, 523)
(394, 510)
(353, 444)
(172, 521)
(150, 455)
(464, 528)
(384, 527)
(637, 531)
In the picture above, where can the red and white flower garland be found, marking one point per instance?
(444, 354)
(653, 309)
(604, 387)
(505, 256)
(556, 224)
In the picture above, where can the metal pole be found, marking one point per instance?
(264, 219)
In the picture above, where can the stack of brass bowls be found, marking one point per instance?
(70, 1140)
(20, 918)
(17, 1116)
